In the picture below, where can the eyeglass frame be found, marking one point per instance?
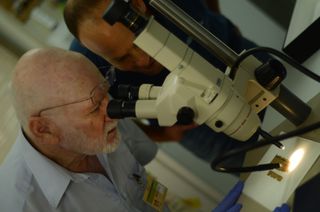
(92, 93)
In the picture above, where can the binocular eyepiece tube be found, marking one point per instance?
(118, 109)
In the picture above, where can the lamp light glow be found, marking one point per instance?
(295, 159)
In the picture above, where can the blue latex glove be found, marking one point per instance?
(229, 203)
(283, 208)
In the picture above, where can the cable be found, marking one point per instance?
(264, 142)
(266, 135)
(289, 60)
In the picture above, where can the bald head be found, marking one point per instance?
(47, 77)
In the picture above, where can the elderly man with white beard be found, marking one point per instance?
(69, 155)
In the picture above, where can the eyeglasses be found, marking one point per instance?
(97, 94)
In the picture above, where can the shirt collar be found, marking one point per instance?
(51, 177)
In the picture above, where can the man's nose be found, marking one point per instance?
(107, 119)
(141, 58)
(104, 106)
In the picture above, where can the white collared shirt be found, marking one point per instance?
(29, 181)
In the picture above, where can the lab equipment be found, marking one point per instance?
(196, 91)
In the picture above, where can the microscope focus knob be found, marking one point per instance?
(185, 116)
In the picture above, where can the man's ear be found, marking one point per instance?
(44, 130)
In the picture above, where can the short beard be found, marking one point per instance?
(77, 141)
(111, 147)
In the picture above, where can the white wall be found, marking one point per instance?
(253, 23)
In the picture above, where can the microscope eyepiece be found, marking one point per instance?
(127, 92)
(121, 11)
(118, 109)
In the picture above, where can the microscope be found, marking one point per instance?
(195, 90)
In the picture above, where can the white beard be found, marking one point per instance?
(113, 145)
(77, 141)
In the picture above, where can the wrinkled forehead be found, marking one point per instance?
(82, 85)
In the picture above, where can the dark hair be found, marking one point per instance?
(76, 11)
